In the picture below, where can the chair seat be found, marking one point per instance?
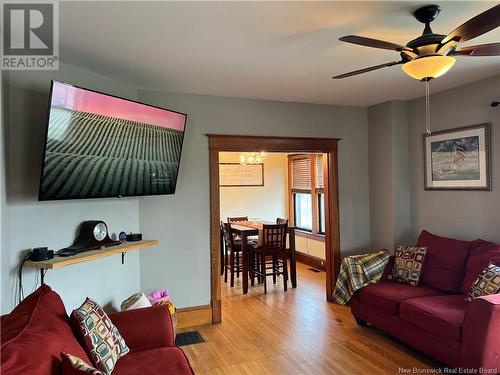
(387, 295)
(441, 315)
(158, 361)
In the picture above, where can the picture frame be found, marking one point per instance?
(241, 175)
(458, 159)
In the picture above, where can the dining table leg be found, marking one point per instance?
(293, 259)
(244, 260)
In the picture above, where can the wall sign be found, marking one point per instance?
(458, 159)
(234, 174)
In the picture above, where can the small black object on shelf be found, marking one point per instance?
(41, 253)
(495, 103)
(132, 237)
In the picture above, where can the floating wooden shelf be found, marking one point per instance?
(59, 262)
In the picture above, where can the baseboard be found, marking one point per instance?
(311, 260)
(194, 316)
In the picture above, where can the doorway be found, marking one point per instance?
(327, 146)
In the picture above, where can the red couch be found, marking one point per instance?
(434, 317)
(38, 330)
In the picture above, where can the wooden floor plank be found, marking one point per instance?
(296, 332)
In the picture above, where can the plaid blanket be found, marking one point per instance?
(357, 271)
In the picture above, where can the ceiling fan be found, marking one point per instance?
(431, 55)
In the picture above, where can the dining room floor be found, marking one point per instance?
(295, 332)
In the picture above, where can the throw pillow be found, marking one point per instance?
(102, 339)
(408, 263)
(488, 282)
(72, 365)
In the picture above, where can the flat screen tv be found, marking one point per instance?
(98, 145)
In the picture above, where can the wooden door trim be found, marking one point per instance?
(241, 143)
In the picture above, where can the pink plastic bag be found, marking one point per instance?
(159, 295)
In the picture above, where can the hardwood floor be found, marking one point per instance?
(296, 332)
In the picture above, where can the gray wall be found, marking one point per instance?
(461, 214)
(28, 223)
(382, 199)
(389, 178)
(181, 222)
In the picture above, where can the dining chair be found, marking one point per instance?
(233, 249)
(273, 245)
(236, 219)
(237, 239)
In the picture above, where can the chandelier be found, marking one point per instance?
(253, 157)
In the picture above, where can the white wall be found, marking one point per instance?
(310, 246)
(461, 214)
(29, 223)
(182, 221)
(264, 202)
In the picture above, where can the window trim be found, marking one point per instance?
(316, 226)
(321, 231)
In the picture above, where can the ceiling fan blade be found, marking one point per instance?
(491, 49)
(365, 70)
(476, 26)
(375, 43)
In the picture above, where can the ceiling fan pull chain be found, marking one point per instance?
(427, 108)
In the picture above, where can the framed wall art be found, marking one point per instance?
(458, 159)
(234, 174)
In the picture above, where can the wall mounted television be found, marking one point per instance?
(99, 145)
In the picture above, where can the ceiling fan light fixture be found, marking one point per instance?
(427, 67)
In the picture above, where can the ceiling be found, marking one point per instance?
(284, 51)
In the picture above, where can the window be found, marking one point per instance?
(303, 210)
(307, 198)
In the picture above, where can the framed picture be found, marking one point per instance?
(458, 159)
(234, 174)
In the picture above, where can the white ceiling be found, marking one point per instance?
(284, 51)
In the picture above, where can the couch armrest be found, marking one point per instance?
(146, 328)
(388, 268)
(481, 333)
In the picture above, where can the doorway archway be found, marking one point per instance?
(239, 143)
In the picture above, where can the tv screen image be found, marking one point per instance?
(99, 145)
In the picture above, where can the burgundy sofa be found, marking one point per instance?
(434, 317)
(38, 330)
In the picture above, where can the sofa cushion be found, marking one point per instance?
(408, 264)
(441, 315)
(171, 361)
(481, 253)
(445, 261)
(35, 333)
(72, 365)
(103, 341)
(487, 283)
(387, 295)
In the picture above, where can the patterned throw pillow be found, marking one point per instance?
(408, 262)
(104, 343)
(72, 365)
(488, 282)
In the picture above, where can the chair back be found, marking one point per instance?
(274, 236)
(236, 219)
(227, 236)
(281, 221)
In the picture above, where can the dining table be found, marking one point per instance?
(246, 229)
